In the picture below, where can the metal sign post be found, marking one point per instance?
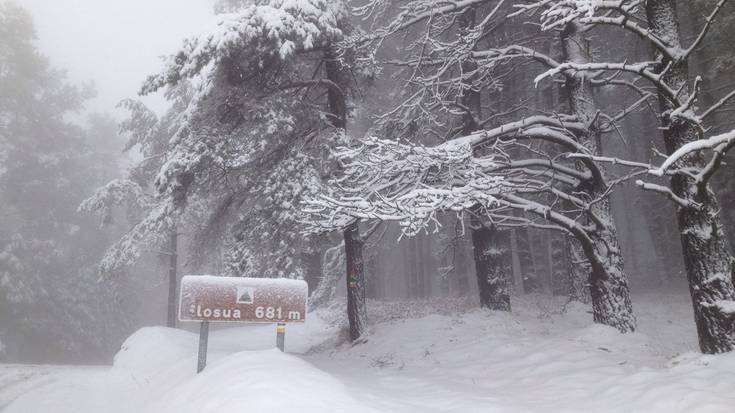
(206, 298)
(281, 336)
(203, 342)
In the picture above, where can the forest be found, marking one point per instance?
(478, 157)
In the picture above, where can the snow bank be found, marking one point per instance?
(151, 348)
(155, 371)
(260, 381)
(544, 357)
(424, 356)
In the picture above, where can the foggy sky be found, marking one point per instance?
(115, 43)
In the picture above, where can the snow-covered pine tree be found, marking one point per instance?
(251, 143)
(148, 134)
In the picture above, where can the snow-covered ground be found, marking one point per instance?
(435, 356)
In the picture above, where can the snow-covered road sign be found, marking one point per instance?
(238, 299)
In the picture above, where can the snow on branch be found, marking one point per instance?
(414, 210)
(262, 31)
(414, 12)
(386, 180)
(151, 231)
(115, 193)
(667, 192)
(558, 13)
(720, 144)
(392, 181)
(642, 69)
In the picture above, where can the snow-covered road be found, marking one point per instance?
(18, 379)
(542, 358)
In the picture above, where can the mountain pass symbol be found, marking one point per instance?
(245, 295)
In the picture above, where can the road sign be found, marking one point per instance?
(239, 299)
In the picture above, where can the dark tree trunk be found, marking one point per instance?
(547, 278)
(608, 285)
(526, 258)
(356, 311)
(611, 304)
(518, 287)
(414, 268)
(491, 273)
(491, 265)
(560, 264)
(579, 272)
(406, 269)
(460, 282)
(707, 258)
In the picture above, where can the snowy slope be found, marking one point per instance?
(544, 357)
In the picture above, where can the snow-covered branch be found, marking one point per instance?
(115, 193)
(719, 144)
(666, 191)
(262, 31)
(643, 69)
(386, 180)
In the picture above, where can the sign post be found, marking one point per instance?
(206, 298)
(281, 336)
(203, 342)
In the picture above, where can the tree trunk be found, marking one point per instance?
(707, 258)
(356, 311)
(560, 267)
(529, 269)
(413, 285)
(579, 272)
(491, 266)
(611, 304)
(547, 279)
(518, 288)
(608, 285)
(426, 266)
(490, 272)
(461, 267)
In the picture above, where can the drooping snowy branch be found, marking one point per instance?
(719, 145)
(116, 193)
(386, 180)
(262, 31)
(150, 232)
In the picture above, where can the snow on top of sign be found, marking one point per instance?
(253, 282)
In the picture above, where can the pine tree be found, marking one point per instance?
(52, 303)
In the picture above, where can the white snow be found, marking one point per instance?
(544, 357)
(717, 142)
(271, 283)
(726, 306)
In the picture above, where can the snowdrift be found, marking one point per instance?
(420, 357)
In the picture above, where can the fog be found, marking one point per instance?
(101, 51)
(114, 43)
(554, 174)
